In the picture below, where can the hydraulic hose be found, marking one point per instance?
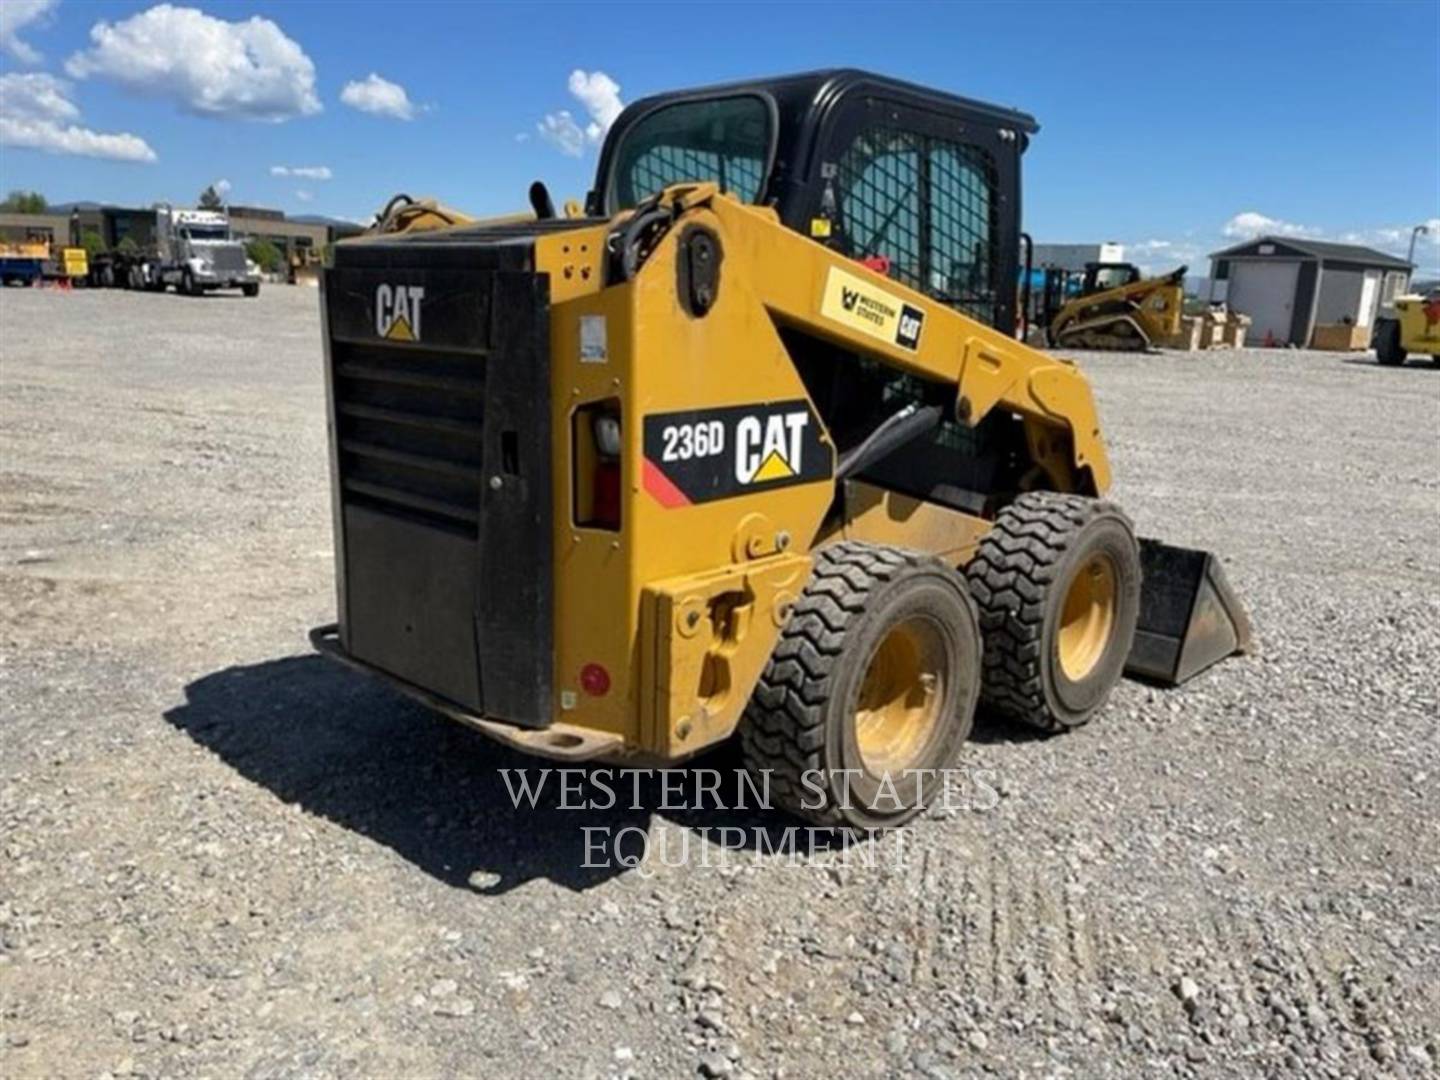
(894, 432)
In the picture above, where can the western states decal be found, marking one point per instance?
(703, 454)
(860, 305)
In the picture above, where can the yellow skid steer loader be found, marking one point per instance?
(1410, 325)
(745, 445)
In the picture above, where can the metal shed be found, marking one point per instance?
(1288, 286)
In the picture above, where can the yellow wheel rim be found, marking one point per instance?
(1088, 617)
(900, 698)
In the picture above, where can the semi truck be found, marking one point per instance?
(192, 250)
(195, 252)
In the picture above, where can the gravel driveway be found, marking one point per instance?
(222, 856)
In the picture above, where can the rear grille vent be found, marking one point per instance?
(410, 432)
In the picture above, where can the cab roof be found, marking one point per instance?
(801, 105)
(815, 91)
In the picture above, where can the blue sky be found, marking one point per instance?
(1173, 127)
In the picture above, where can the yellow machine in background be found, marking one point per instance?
(1414, 327)
(1115, 308)
(626, 484)
(33, 261)
(74, 262)
(23, 262)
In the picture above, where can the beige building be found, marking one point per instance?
(301, 243)
(53, 229)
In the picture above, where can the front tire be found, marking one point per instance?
(251, 288)
(1388, 350)
(871, 692)
(1057, 581)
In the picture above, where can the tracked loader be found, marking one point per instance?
(1111, 306)
(745, 445)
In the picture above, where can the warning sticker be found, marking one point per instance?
(593, 349)
(856, 303)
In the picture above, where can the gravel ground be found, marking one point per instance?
(221, 855)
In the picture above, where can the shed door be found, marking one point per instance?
(1266, 292)
(1368, 292)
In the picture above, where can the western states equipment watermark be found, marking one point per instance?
(629, 846)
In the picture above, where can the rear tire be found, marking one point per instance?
(1057, 581)
(876, 672)
(1388, 350)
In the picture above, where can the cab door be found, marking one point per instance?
(930, 197)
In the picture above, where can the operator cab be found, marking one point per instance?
(1101, 277)
(920, 185)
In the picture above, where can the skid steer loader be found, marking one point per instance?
(621, 484)
(1111, 306)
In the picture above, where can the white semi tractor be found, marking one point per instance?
(195, 252)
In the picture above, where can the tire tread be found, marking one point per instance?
(783, 727)
(1010, 577)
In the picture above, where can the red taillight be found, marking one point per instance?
(606, 495)
(595, 680)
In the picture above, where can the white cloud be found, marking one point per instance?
(305, 172)
(561, 131)
(208, 66)
(16, 15)
(1394, 239)
(600, 96)
(222, 187)
(379, 96)
(1249, 224)
(36, 113)
(36, 96)
(305, 196)
(1156, 256)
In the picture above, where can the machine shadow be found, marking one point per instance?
(1367, 361)
(351, 750)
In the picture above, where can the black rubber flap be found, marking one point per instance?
(1190, 618)
(411, 602)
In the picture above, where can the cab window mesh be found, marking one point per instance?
(927, 205)
(724, 140)
(661, 166)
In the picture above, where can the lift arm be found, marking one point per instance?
(821, 292)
